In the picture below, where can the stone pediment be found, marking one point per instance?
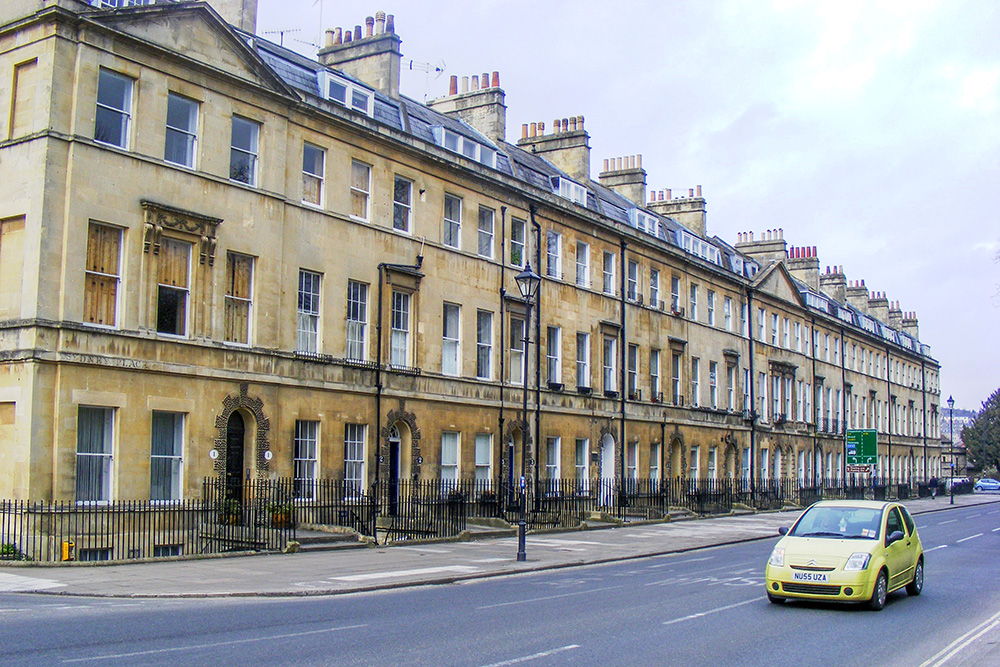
(197, 33)
(776, 281)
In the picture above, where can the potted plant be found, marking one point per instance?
(281, 514)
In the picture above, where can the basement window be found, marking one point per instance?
(346, 93)
(570, 190)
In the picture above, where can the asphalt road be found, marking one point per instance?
(704, 607)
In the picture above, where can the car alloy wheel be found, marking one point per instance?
(917, 585)
(880, 593)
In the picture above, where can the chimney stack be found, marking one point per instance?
(770, 247)
(240, 13)
(857, 295)
(834, 283)
(628, 181)
(566, 148)
(373, 59)
(689, 212)
(482, 107)
(878, 307)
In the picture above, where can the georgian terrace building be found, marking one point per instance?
(221, 258)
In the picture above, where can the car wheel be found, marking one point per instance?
(880, 593)
(917, 585)
(774, 599)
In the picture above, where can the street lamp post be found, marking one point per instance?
(527, 283)
(951, 444)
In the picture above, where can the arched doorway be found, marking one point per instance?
(235, 436)
(393, 466)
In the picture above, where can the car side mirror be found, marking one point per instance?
(783, 530)
(894, 536)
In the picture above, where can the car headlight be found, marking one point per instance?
(777, 558)
(857, 561)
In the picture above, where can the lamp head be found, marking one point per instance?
(951, 403)
(527, 282)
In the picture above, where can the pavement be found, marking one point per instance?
(408, 564)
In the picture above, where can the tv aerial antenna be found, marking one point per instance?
(428, 69)
(281, 34)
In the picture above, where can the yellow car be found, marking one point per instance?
(847, 551)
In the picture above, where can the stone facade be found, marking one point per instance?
(220, 258)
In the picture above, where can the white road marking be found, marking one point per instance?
(995, 530)
(994, 512)
(549, 597)
(490, 560)
(427, 550)
(710, 611)
(942, 546)
(558, 542)
(973, 516)
(195, 647)
(945, 654)
(10, 583)
(948, 521)
(543, 654)
(966, 539)
(458, 569)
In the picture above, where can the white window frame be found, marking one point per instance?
(609, 363)
(313, 172)
(355, 439)
(356, 348)
(452, 231)
(451, 339)
(307, 312)
(186, 136)
(553, 254)
(553, 457)
(485, 238)
(124, 113)
(361, 192)
(484, 457)
(517, 247)
(451, 447)
(484, 345)
(582, 264)
(608, 273)
(582, 359)
(95, 449)
(399, 346)
(553, 354)
(516, 350)
(402, 206)
(173, 459)
(305, 459)
(250, 153)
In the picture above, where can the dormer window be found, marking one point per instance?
(346, 93)
(696, 246)
(643, 221)
(463, 145)
(570, 190)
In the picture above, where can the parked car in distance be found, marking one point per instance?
(949, 482)
(847, 551)
(987, 484)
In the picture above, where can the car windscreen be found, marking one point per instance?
(839, 523)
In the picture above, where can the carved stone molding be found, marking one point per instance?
(157, 217)
(255, 406)
(410, 419)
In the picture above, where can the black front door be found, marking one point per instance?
(393, 477)
(235, 430)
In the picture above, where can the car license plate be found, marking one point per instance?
(817, 577)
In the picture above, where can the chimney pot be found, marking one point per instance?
(390, 23)
(541, 129)
(565, 124)
(618, 162)
(369, 25)
(638, 160)
(379, 22)
(524, 130)
(496, 79)
(781, 232)
(690, 192)
(572, 123)
(328, 38)
(698, 190)
(605, 164)
(486, 81)
(534, 129)
(579, 123)
(338, 36)
(475, 82)
(348, 37)
(814, 253)
(357, 32)
(465, 85)
(669, 195)
(453, 85)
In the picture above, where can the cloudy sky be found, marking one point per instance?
(870, 129)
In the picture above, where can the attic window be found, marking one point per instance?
(346, 93)
(570, 190)
(696, 246)
(737, 263)
(464, 146)
(121, 3)
(643, 221)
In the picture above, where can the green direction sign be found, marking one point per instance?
(862, 447)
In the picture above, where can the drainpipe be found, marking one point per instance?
(923, 416)
(812, 357)
(845, 404)
(623, 371)
(753, 401)
(503, 375)
(378, 359)
(888, 398)
(538, 343)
